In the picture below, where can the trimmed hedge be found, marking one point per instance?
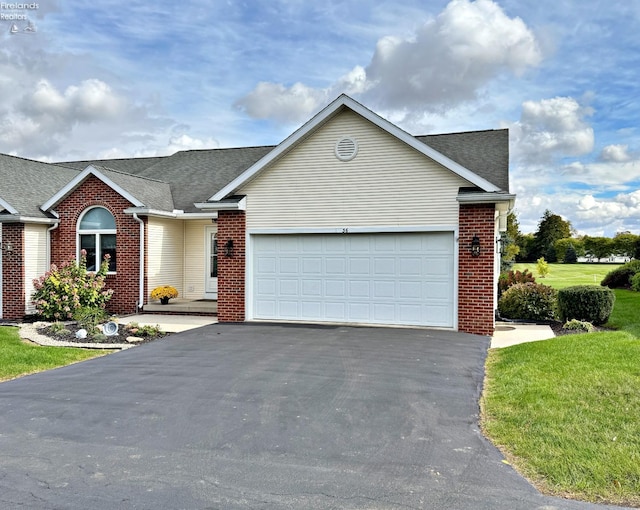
(620, 277)
(528, 301)
(590, 303)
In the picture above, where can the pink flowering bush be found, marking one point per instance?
(60, 292)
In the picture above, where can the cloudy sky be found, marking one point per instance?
(94, 79)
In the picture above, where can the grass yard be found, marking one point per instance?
(18, 358)
(565, 411)
(566, 275)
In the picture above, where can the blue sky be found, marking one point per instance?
(102, 79)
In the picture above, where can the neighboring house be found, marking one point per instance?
(348, 220)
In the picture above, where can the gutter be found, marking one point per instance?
(140, 303)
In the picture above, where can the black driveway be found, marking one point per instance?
(261, 416)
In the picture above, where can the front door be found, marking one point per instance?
(211, 263)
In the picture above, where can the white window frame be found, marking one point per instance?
(97, 233)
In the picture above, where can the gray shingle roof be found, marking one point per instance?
(193, 175)
(153, 193)
(485, 153)
(27, 184)
(187, 177)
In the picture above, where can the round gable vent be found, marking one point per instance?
(346, 149)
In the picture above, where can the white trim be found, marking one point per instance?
(240, 205)
(141, 272)
(97, 233)
(487, 198)
(208, 229)
(27, 219)
(181, 215)
(76, 181)
(249, 254)
(7, 206)
(328, 112)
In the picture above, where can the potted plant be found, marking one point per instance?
(164, 293)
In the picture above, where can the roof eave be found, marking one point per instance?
(502, 200)
(240, 205)
(17, 218)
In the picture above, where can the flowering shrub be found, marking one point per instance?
(510, 278)
(60, 292)
(165, 291)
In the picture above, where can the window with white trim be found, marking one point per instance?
(97, 236)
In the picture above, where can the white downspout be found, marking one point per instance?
(49, 230)
(140, 303)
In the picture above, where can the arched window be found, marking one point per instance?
(97, 236)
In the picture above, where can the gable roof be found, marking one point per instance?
(334, 108)
(141, 192)
(192, 175)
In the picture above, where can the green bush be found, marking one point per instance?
(576, 325)
(509, 278)
(635, 282)
(620, 278)
(60, 292)
(590, 303)
(528, 301)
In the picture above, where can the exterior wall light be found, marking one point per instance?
(228, 248)
(475, 246)
(8, 246)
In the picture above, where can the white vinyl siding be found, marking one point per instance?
(35, 263)
(194, 258)
(388, 183)
(165, 245)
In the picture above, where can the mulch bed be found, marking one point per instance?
(124, 331)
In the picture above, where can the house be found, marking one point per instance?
(350, 219)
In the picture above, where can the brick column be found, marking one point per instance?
(231, 270)
(476, 312)
(13, 288)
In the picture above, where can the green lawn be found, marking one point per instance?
(18, 358)
(565, 411)
(566, 275)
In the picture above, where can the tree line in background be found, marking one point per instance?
(556, 241)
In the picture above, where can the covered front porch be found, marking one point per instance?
(182, 306)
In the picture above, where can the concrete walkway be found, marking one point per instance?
(513, 333)
(170, 323)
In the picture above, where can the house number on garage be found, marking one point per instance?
(345, 230)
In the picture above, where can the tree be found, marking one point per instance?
(598, 247)
(550, 229)
(562, 245)
(624, 244)
(509, 243)
(570, 255)
(542, 267)
(525, 243)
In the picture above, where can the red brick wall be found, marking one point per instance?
(93, 192)
(475, 277)
(231, 270)
(13, 289)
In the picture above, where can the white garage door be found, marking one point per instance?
(366, 278)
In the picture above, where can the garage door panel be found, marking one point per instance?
(404, 278)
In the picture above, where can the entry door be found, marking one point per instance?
(211, 263)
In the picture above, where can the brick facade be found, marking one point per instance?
(13, 285)
(231, 270)
(93, 192)
(475, 274)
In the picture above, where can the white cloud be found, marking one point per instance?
(550, 128)
(283, 104)
(445, 63)
(615, 153)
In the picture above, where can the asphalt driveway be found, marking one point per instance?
(261, 416)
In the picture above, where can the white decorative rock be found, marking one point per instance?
(81, 333)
